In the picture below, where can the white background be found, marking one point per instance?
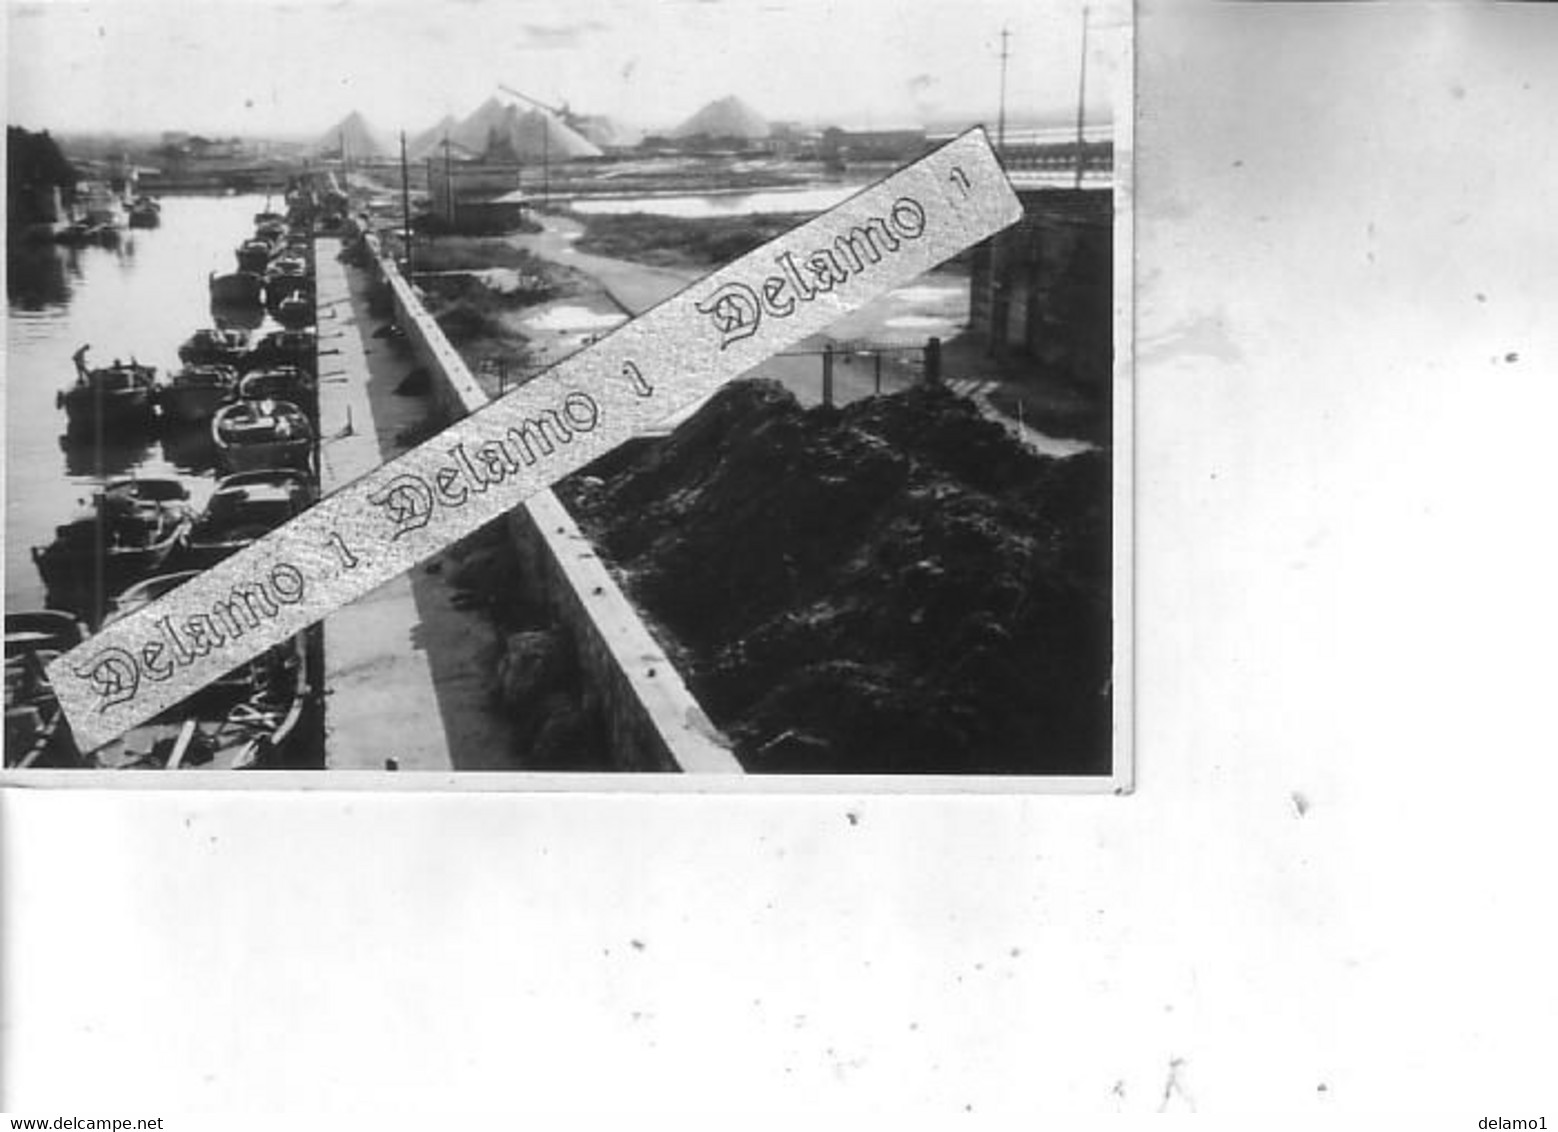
(1332, 892)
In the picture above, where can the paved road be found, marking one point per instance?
(406, 670)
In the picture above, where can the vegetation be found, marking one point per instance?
(34, 167)
(674, 241)
(474, 253)
(474, 317)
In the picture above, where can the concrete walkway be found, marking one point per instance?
(406, 672)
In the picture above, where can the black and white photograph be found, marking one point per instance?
(779, 564)
(259, 250)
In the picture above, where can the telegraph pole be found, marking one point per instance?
(1082, 102)
(448, 187)
(546, 162)
(405, 201)
(1000, 128)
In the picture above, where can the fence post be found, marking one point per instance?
(827, 374)
(878, 356)
(933, 361)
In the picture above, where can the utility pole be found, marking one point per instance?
(448, 187)
(546, 162)
(1000, 128)
(405, 202)
(1082, 102)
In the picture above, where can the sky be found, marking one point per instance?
(267, 67)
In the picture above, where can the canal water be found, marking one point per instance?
(139, 300)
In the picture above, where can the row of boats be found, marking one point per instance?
(273, 270)
(138, 538)
(101, 214)
(259, 400)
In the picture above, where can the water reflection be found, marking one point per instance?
(101, 456)
(190, 448)
(237, 316)
(35, 277)
(141, 300)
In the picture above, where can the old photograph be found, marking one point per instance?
(258, 251)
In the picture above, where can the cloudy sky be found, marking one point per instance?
(266, 66)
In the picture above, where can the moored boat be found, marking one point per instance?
(294, 310)
(285, 348)
(244, 507)
(214, 346)
(145, 212)
(81, 233)
(117, 395)
(237, 288)
(36, 731)
(262, 434)
(280, 383)
(246, 719)
(195, 393)
(289, 265)
(127, 531)
(253, 256)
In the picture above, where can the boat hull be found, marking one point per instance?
(252, 718)
(85, 580)
(256, 456)
(192, 405)
(88, 410)
(240, 288)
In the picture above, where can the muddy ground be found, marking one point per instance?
(893, 587)
(479, 290)
(674, 241)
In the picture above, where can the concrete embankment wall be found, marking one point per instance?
(652, 721)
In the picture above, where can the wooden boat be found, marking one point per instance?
(116, 396)
(285, 348)
(273, 229)
(242, 316)
(214, 346)
(250, 435)
(145, 213)
(127, 531)
(241, 509)
(292, 263)
(294, 310)
(195, 393)
(36, 731)
(83, 233)
(98, 203)
(281, 383)
(237, 288)
(248, 718)
(253, 256)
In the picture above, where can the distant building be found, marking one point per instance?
(475, 196)
(840, 146)
(1044, 288)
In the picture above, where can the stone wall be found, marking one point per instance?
(652, 721)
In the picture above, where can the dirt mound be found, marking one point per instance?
(897, 586)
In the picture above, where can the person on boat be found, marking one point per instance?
(80, 358)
